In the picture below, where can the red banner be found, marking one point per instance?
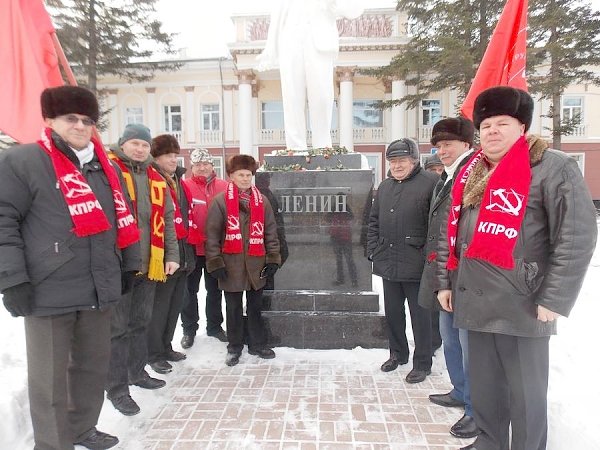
(29, 65)
(504, 60)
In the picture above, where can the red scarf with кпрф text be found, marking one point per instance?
(233, 233)
(501, 211)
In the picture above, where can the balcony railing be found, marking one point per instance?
(361, 135)
(208, 137)
(425, 133)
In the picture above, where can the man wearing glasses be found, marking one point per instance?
(67, 233)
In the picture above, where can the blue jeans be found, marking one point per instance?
(456, 352)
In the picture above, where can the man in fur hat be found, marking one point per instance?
(242, 251)
(67, 238)
(169, 296)
(454, 138)
(203, 186)
(520, 234)
(154, 212)
(396, 236)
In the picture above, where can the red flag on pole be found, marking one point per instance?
(504, 60)
(29, 65)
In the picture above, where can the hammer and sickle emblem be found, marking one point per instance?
(233, 223)
(510, 201)
(455, 210)
(257, 229)
(120, 205)
(75, 186)
(158, 226)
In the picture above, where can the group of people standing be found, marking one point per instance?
(101, 252)
(499, 248)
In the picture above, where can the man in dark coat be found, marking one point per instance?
(395, 243)
(520, 235)
(66, 236)
(154, 213)
(242, 251)
(169, 296)
(453, 137)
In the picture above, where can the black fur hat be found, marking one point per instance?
(503, 101)
(402, 147)
(241, 162)
(453, 129)
(61, 100)
(164, 144)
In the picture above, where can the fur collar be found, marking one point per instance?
(478, 180)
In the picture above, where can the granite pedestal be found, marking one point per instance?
(322, 296)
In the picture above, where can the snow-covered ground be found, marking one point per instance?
(574, 393)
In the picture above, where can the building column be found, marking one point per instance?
(345, 106)
(151, 119)
(245, 80)
(189, 115)
(227, 115)
(113, 129)
(398, 125)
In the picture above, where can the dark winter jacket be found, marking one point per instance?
(187, 255)
(398, 226)
(555, 244)
(37, 244)
(437, 214)
(144, 210)
(243, 270)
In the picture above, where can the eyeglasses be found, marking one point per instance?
(74, 120)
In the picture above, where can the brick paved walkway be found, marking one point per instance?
(299, 402)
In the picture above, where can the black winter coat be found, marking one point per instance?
(437, 214)
(554, 247)
(398, 226)
(37, 245)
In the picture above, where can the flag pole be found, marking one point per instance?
(64, 63)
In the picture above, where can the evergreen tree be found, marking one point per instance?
(111, 37)
(564, 44)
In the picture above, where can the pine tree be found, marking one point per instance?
(111, 37)
(564, 44)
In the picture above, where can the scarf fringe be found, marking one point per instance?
(156, 267)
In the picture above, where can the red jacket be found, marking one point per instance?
(202, 194)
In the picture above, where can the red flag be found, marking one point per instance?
(29, 65)
(504, 60)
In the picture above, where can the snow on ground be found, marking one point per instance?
(573, 396)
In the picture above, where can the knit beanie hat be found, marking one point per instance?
(201, 155)
(136, 131)
(241, 162)
(453, 129)
(164, 144)
(503, 101)
(61, 100)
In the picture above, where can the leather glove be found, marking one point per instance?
(127, 280)
(269, 270)
(220, 274)
(18, 300)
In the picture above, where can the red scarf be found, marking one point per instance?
(233, 233)
(158, 191)
(86, 213)
(180, 230)
(501, 211)
(193, 233)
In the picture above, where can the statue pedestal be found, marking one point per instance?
(322, 296)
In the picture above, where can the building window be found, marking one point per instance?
(366, 115)
(572, 108)
(374, 160)
(172, 118)
(272, 115)
(134, 114)
(210, 117)
(431, 112)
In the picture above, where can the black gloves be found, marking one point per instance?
(269, 270)
(220, 274)
(18, 300)
(127, 279)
